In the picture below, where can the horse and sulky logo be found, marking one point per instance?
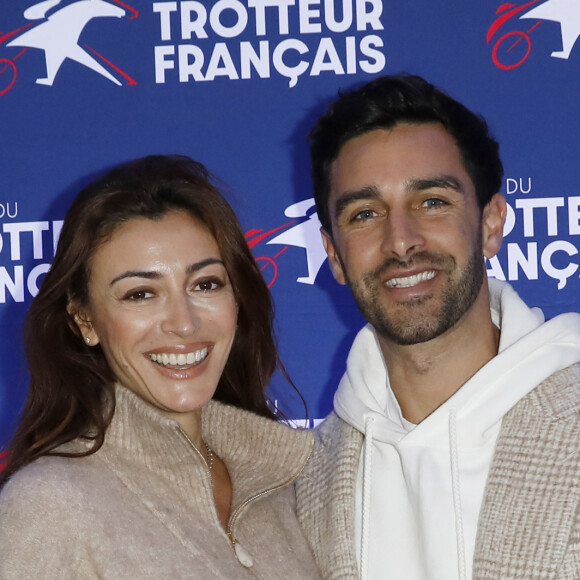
(56, 30)
(302, 231)
(511, 48)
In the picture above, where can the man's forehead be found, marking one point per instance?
(414, 150)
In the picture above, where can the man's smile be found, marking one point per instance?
(410, 281)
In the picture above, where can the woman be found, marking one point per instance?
(147, 448)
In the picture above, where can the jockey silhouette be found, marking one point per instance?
(304, 235)
(567, 13)
(59, 34)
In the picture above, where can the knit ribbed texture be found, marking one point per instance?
(142, 506)
(529, 525)
(325, 498)
(528, 528)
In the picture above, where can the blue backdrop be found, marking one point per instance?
(237, 84)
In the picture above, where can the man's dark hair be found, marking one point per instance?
(386, 102)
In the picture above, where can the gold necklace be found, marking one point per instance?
(209, 457)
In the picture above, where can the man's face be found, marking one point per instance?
(408, 235)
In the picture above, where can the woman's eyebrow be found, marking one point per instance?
(154, 275)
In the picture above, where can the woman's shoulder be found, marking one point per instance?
(47, 482)
(42, 509)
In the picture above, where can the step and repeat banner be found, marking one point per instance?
(237, 85)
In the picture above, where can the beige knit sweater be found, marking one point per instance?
(529, 525)
(142, 506)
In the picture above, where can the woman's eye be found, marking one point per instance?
(137, 295)
(207, 285)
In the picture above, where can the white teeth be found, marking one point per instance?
(409, 281)
(180, 359)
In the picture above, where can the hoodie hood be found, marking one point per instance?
(425, 483)
(530, 350)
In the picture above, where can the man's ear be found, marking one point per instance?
(334, 260)
(84, 323)
(492, 222)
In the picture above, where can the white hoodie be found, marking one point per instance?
(420, 487)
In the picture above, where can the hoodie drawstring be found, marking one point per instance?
(456, 487)
(366, 498)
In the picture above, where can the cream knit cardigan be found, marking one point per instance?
(142, 506)
(529, 525)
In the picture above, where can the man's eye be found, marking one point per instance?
(433, 202)
(365, 214)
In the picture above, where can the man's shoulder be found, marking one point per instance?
(549, 414)
(558, 396)
(334, 431)
(336, 450)
(533, 486)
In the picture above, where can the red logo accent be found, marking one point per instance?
(3, 459)
(130, 81)
(268, 265)
(512, 48)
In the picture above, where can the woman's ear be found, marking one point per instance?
(492, 221)
(83, 320)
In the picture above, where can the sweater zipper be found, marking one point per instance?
(192, 445)
(241, 553)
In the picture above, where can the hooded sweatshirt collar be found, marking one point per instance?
(449, 453)
(529, 349)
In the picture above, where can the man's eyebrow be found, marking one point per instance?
(154, 275)
(349, 197)
(438, 182)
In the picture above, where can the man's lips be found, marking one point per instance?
(410, 280)
(421, 267)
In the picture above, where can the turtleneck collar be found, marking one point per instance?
(260, 453)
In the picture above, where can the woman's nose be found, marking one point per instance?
(180, 316)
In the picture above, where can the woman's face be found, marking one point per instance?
(162, 307)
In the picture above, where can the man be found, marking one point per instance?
(453, 451)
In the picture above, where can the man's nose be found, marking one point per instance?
(402, 234)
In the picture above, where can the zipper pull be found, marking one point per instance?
(242, 555)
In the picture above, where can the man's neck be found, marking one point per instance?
(423, 376)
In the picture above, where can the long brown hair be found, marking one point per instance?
(71, 385)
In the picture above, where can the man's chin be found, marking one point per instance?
(408, 336)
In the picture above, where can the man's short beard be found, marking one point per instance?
(458, 297)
